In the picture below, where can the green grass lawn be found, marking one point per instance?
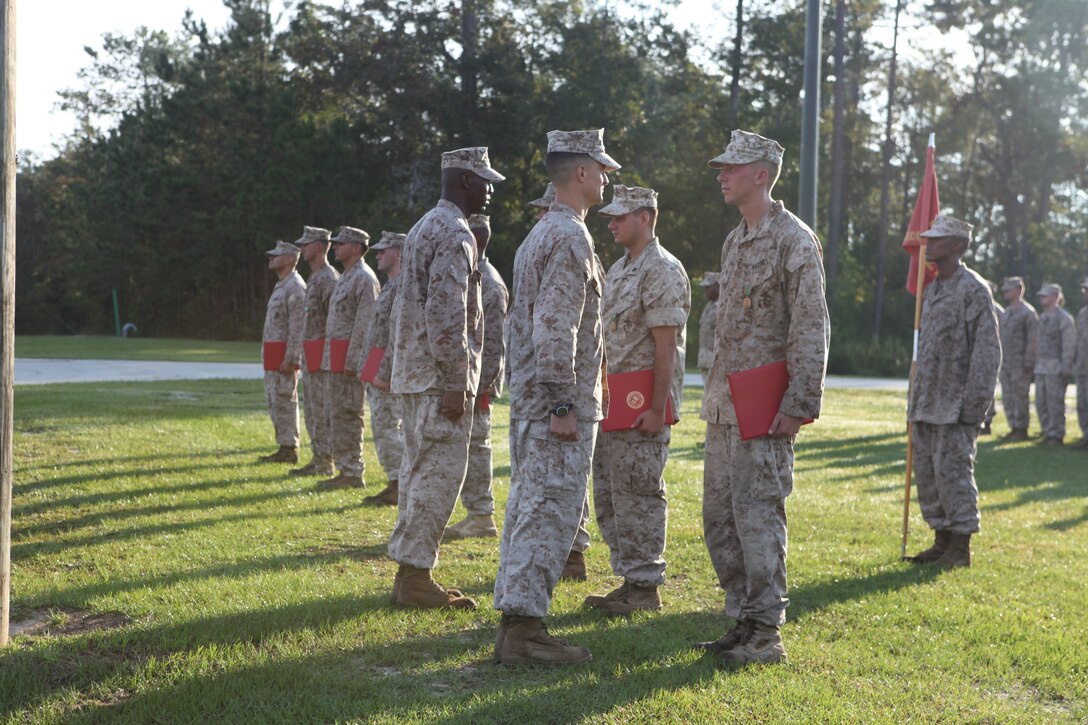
(87, 347)
(243, 595)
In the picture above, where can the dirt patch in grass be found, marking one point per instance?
(65, 621)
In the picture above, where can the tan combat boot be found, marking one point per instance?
(388, 496)
(638, 597)
(727, 641)
(596, 600)
(316, 467)
(526, 642)
(1016, 434)
(478, 526)
(342, 480)
(958, 553)
(762, 644)
(286, 454)
(575, 568)
(418, 590)
(940, 545)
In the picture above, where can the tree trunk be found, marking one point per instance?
(838, 146)
(738, 39)
(470, 37)
(886, 181)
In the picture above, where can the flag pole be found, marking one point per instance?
(7, 298)
(919, 289)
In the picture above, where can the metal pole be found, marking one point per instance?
(919, 290)
(810, 123)
(7, 301)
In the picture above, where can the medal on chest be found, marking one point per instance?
(747, 302)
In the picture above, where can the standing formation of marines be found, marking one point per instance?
(445, 333)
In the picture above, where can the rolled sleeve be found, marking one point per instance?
(446, 313)
(809, 332)
(557, 316)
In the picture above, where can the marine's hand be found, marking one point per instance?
(784, 425)
(565, 428)
(453, 405)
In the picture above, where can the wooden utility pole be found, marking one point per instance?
(7, 302)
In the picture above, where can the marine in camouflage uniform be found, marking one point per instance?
(350, 310)
(707, 323)
(771, 307)
(1019, 326)
(314, 244)
(554, 355)
(436, 371)
(385, 414)
(1054, 357)
(284, 322)
(647, 298)
(959, 354)
(1080, 368)
(476, 492)
(991, 411)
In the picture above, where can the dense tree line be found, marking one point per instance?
(196, 149)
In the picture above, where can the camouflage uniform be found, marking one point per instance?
(284, 321)
(991, 411)
(959, 354)
(776, 266)
(1019, 326)
(1053, 369)
(318, 410)
(385, 413)
(707, 321)
(651, 290)
(554, 357)
(1080, 370)
(350, 309)
(436, 348)
(476, 494)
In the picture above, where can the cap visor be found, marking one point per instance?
(614, 209)
(540, 203)
(490, 175)
(609, 163)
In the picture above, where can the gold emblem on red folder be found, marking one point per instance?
(635, 399)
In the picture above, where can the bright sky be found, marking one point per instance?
(53, 33)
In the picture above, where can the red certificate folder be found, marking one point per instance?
(757, 395)
(483, 402)
(628, 395)
(314, 349)
(338, 353)
(273, 353)
(373, 362)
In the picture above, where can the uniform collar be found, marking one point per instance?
(451, 207)
(563, 209)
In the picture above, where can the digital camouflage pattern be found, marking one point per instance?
(317, 410)
(1080, 369)
(350, 309)
(545, 201)
(346, 423)
(385, 414)
(745, 485)
(285, 321)
(555, 346)
(777, 268)
(629, 502)
(746, 147)
(476, 493)
(548, 480)
(648, 291)
(948, 226)
(628, 199)
(472, 159)
(431, 472)
(1019, 330)
(771, 307)
(1054, 369)
(944, 473)
(589, 142)
(707, 324)
(439, 327)
(313, 234)
(959, 352)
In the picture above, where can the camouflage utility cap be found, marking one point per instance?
(1012, 283)
(283, 248)
(545, 201)
(390, 240)
(947, 226)
(589, 142)
(474, 159)
(351, 235)
(628, 199)
(710, 279)
(1084, 284)
(479, 221)
(746, 148)
(313, 234)
(1049, 288)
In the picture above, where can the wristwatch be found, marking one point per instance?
(562, 410)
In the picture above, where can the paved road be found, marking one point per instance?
(36, 371)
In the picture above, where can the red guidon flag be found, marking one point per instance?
(925, 209)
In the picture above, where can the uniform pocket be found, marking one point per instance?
(549, 462)
(435, 426)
